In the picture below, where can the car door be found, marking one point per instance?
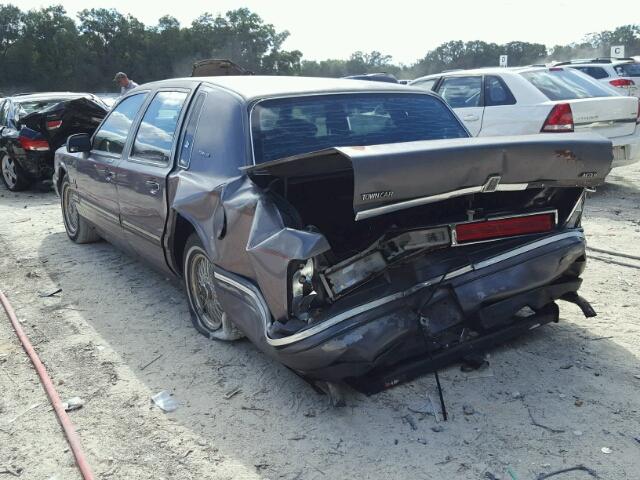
(141, 184)
(464, 94)
(96, 171)
(502, 114)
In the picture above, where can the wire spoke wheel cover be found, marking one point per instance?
(70, 210)
(9, 171)
(203, 292)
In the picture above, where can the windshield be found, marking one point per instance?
(290, 126)
(566, 84)
(628, 69)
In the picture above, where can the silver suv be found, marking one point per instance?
(621, 73)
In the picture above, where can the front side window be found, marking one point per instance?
(461, 92)
(566, 84)
(112, 135)
(292, 126)
(496, 92)
(426, 84)
(158, 127)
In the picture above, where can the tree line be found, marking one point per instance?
(46, 49)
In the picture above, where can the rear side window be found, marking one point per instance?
(461, 92)
(190, 131)
(565, 84)
(595, 72)
(496, 92)
(628, 69)
(292, 126)
(112, 135)
(158, 127)
(426, 84)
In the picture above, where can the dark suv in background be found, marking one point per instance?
(33, 126)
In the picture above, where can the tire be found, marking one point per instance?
(207, 315)
(78, 229)
(13, 176)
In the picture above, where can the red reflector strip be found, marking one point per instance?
(53, 124)
(504, 227)
(33, 145)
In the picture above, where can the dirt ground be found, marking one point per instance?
(118, 333)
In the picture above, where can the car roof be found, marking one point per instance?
(489, 71)
(34, 97)
(251, 87)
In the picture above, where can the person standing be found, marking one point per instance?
(125, 83)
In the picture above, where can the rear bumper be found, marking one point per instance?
(631, 151)
(401, 328)
(38, 165)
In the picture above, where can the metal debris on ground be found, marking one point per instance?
(232, 393)
(151, 362)
(578, 468)
(537, 424)
(73, 403)
(165, 401)
(45, 294)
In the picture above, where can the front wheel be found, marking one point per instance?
(78, 229)
(207, 315)
(12, 174)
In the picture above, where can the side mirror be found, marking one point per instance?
(80, 142)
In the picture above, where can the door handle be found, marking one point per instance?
(471, 117)
(154, 187)
(108, 175)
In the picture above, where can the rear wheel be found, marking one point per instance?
(207, 315)
(12, 174)
(78, 229)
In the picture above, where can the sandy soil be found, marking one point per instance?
(119, 333)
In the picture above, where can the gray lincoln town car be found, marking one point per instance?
(353, 230)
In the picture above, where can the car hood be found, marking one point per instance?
(393, 177)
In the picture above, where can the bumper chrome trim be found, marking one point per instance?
(256, 296)
(415, 202)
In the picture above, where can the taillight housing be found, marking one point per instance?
(560, 119)
(504, 227)
(53, 124)
(621, 82)
(33, 144)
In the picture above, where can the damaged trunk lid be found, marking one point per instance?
(392, 177)
(56, 123)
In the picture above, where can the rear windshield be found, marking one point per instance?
(628, 69)
(25, 108)
(565, 84)
(291, 126)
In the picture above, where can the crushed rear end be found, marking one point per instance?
(374, 264)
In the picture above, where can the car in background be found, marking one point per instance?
(375, 77)
(537, 99)
(621, 74)
(216, 67)
(33, 126)
(349, 229)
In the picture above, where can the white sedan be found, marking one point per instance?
(524, 100)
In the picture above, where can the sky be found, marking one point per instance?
(404, 29)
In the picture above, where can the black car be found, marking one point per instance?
(350, 229)
(33, 126)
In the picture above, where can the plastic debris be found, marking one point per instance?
(73, 403)
(517, 396)
(232, 393)
(165, 401)
(606, 450)
(577, 433)
(45, 294)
